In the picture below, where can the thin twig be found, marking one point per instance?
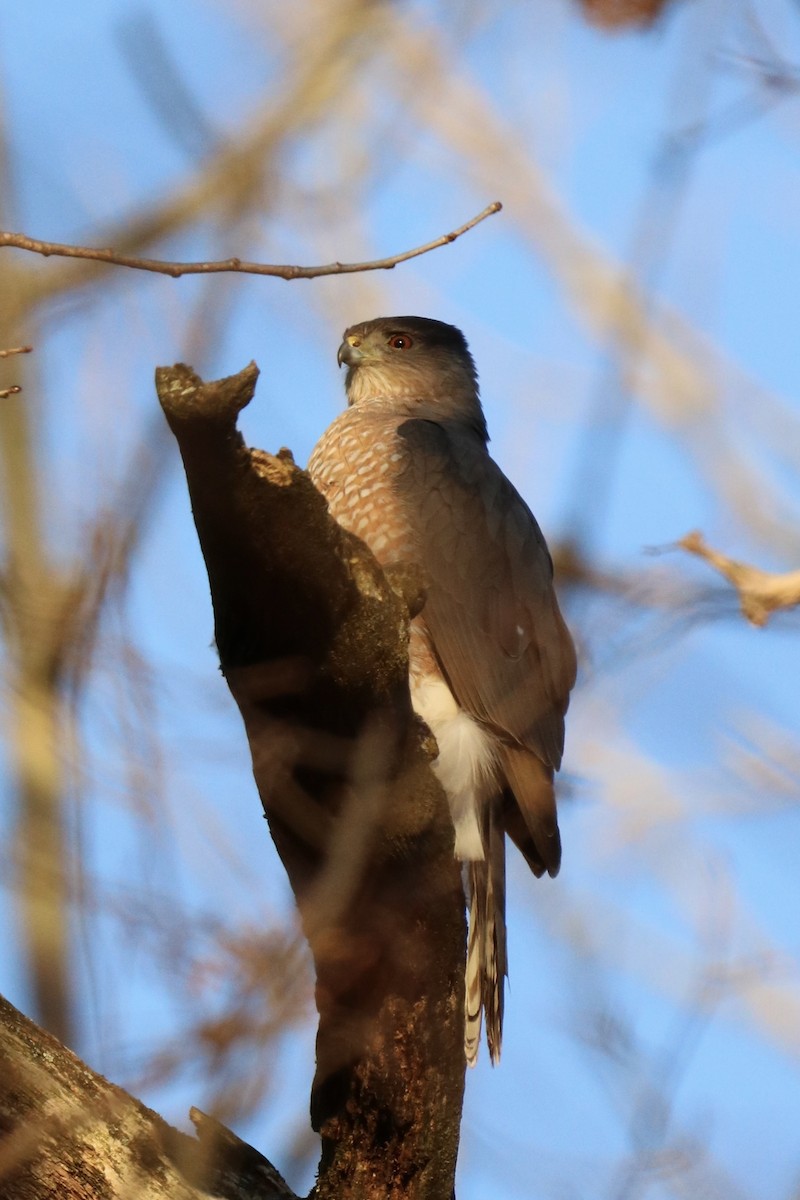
(21, 242)
(14, 389)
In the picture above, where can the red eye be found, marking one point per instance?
(401, 341)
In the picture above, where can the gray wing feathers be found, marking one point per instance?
(491, 609)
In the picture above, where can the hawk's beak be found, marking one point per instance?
(349, 354)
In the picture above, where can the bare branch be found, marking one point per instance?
(15, 350)
(760, 592)
(21, 241)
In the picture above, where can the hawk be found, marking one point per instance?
(491, 663)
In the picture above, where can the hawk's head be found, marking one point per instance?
(414, 366)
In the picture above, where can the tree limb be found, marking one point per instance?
(312, 639)
(68, 1134)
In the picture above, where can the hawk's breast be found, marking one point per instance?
(355, 465)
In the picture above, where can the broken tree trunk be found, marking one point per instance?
(312, 639)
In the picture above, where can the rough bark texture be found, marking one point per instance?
(68, 1134)
(312, 639)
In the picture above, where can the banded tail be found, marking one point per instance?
(487, 958)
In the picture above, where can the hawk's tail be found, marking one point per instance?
(487, 961)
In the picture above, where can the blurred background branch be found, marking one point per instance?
(760, 592)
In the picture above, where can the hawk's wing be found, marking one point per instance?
(491, 609)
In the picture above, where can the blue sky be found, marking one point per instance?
(681, 829)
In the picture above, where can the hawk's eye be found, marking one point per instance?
(401, 341)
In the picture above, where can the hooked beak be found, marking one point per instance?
(349, 354)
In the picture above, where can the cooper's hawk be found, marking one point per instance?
(406, 469)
